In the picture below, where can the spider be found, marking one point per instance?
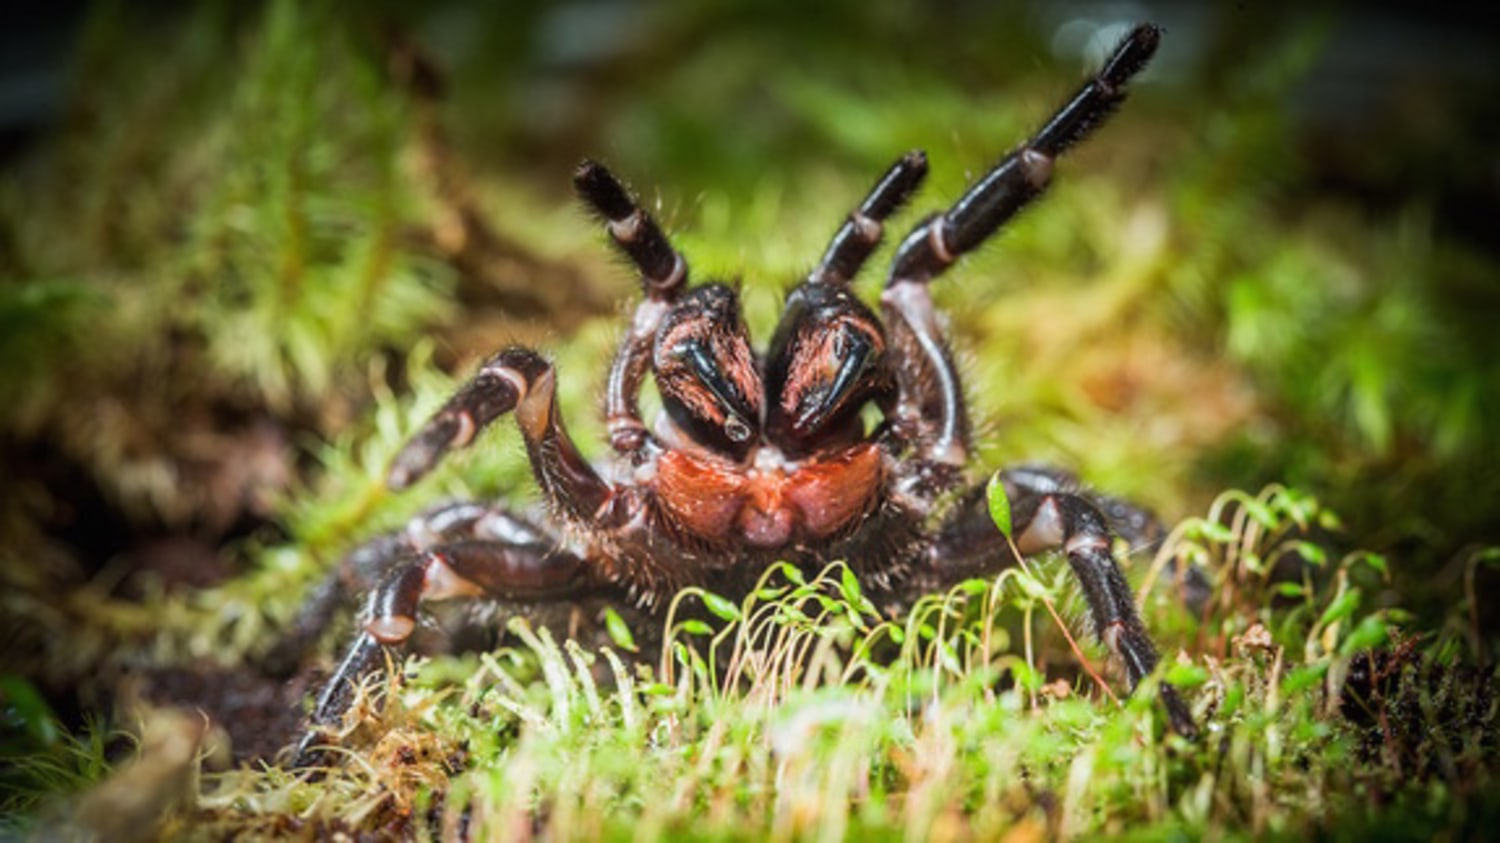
(759, 456)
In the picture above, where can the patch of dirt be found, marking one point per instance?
(260, 714)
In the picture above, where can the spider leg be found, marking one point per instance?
(1045, 516)
(1139, 527)
(861, 233)
(364, 566)
(520, 380)
(931, 395)
(527, 568)
(663, 276)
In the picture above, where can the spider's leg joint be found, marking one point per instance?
(675, 277)
(939, 241)
(854, 242)
(1080, 543)
(1037, 167)
(869, 230)
(1045, 530)
(628, 229)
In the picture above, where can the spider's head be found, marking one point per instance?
(825, 362)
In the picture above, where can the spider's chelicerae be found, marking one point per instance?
(760, 456)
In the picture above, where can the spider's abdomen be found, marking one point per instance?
(768, 502)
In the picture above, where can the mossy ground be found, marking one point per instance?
(235, 283)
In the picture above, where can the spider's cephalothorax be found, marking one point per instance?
(761, 456)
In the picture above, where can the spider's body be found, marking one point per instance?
(760, 457)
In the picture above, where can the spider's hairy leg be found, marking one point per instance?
(931, 395)
(521, 381)
(1047, 516)
(500, 556)
(1141, 529)
(861, 233)
(362, 568)
(1023, 174)
(663, 274)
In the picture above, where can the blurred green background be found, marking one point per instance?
(242, 244)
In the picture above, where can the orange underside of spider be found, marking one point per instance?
(720, 500)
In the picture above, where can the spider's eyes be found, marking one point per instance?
(706, 372)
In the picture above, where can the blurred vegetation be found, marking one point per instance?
(263, 240)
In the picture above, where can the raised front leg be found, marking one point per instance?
(1048, 513)
(663, 276)
(931, 406)
(509, 561)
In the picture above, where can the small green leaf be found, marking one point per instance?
(1186, 675)
(1342, 607)
(999, 505)
(974, 587)
(1311, 553)
(948, 657)
(695, 627)
(721, 607)
(619, 631)
(1215, 532)
(1303, 678)
(1033, 587)
(850, 586)
(1377, 562)
(1371, 632)
(1261, 513)
(1234, 696)
(786, 613)
(23, 709)
(1290, 589)
(1026, 676)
